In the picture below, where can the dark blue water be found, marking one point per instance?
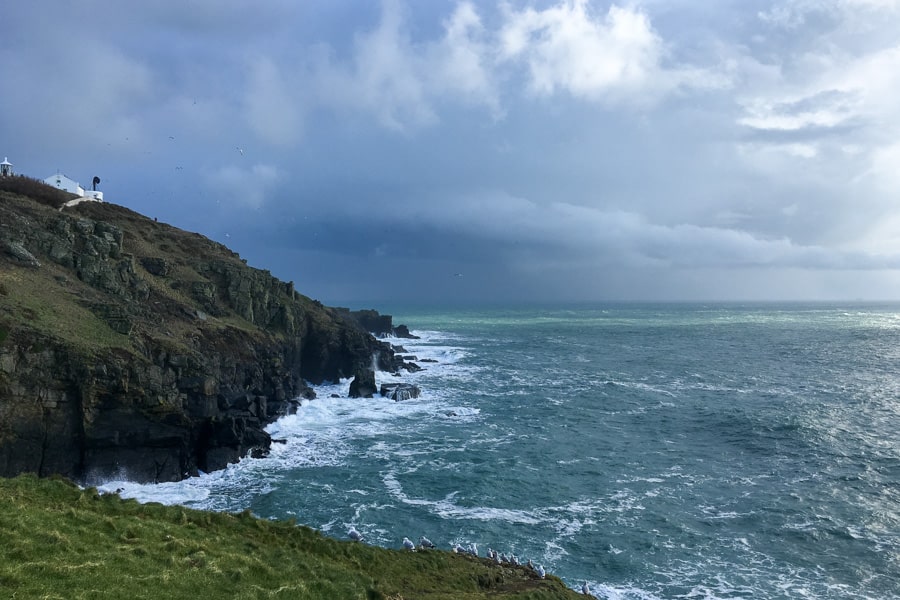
(680, 451)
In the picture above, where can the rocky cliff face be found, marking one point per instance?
(129, 347)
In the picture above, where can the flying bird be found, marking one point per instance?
(239, 149)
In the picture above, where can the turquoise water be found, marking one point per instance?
(682, 451)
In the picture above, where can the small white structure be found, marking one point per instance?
(6, 169)
(62, 182)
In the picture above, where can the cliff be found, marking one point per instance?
(130, 347)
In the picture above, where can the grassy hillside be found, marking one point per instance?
(63, 542)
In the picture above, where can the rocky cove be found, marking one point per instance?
(131, 347)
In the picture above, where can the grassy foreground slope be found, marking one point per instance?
(60, 541)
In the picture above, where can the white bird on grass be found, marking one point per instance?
(541, 572)
(585, 589)
(425, 542)
(407, 543)
(354, 535)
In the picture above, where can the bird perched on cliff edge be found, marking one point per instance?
(585, 589)
(354, 535)
(407, 543)
(425, 542)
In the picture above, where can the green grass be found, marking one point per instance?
(63, 542)
(44, 304)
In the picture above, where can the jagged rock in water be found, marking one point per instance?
(400, 391)
(402, 331)
(363, 384)
(372, 321)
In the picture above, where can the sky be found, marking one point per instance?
(484, 152)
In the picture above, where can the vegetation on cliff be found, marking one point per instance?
(64, 542)
(134, 348)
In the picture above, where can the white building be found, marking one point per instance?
(62, 182)
(6, 168)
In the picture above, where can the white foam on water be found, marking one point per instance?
(229, 489)
(553, 552)
(433, 345)
(446, 508)
(319, 434)
(608, 592)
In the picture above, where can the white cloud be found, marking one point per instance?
(461, 60)
(565, 49)
(873, 4)
(385, 78)
(618, 57)
(886, 167)
(794, 14)
(400, 82)
(824, 109)
(625, 237)
(835, 99)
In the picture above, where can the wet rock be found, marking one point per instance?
(400, 391)
(363, 384)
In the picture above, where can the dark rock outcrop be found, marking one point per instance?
(378, 324)
(373, 322)
(363, 384)
(402, 331)
(400, 391)
(129, 347)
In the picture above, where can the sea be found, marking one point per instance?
(654, 451)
